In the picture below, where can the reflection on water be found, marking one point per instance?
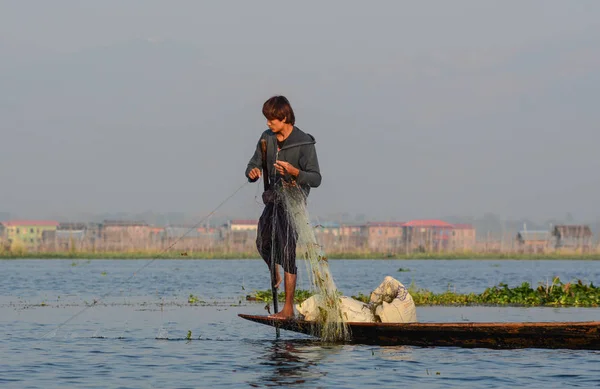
(288, 363)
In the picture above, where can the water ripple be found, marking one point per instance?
(138, 337)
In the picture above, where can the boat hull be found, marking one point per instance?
(550, 335)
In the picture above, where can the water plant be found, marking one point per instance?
(194, 299)
(557, 293)
(267, 296)
(362, 297)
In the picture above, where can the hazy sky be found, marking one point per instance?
(420, 109)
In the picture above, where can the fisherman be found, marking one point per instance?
(291, 161)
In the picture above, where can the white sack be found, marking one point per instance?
(309, 308)
(355, 311)
(352, 310)
(395, 304)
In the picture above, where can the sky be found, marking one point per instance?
(419, 109)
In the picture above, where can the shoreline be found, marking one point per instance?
(135, 255)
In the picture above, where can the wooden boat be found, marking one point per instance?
(552, 335)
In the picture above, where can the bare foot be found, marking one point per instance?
(283, 314)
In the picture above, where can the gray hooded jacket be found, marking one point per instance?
(298, 149)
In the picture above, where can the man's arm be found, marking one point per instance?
(255, 163)
(310, 173)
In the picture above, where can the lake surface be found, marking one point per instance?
(136, 333)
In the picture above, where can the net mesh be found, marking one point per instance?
(331, 324)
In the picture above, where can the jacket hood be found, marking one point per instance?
(297, 138)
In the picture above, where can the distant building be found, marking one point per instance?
(191, 238)
(156, 233)
(27, 232)
(120, 234)
(328, 235)
(533, 241)
(72, 226)
(68, 232)
(327, 228)
(243, 225)
(353, 237)
(427, 235)
(241, 234)
(384, 237)
(463, 237)
(73, 235)
(572, 237)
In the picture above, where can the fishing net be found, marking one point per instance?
(331, 324)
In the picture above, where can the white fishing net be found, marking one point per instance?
(331, 322)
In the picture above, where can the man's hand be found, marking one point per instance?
(254, 173)
(283, 167)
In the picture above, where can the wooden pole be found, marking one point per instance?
(263, 148)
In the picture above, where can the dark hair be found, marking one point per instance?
(278, 107)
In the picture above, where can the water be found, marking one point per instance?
(137, 335)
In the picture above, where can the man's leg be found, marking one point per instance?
(286, 243)
(264, 240)
(290, 290)
(277, 276)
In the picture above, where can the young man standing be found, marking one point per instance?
(291, 162)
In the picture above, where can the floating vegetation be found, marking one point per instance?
(195, 300)
(575, 294)
(557, 293)
(362, 297)
(267, 296)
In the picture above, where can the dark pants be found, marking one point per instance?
(276, 236)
